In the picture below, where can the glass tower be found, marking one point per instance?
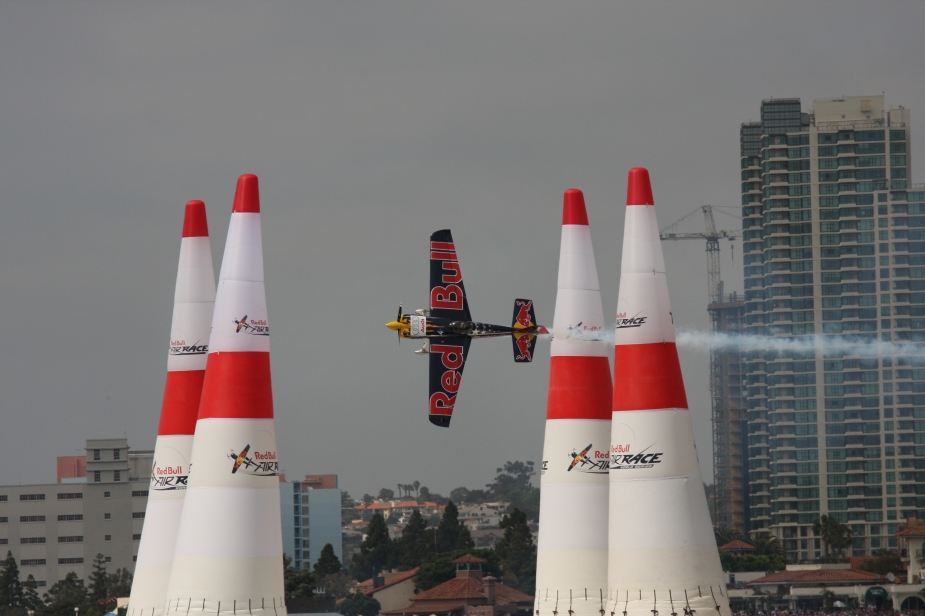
(834, 258)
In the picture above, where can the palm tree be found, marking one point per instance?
(834, 534)
(725, 534)
(416, 485)
(766, 544)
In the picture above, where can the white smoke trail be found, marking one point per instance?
(704, 341)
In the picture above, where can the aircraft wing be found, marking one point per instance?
(447, 293)
(447, 360)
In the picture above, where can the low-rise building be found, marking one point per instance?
(470, 593)
(96, 507)
(483, 515)
(311, 518)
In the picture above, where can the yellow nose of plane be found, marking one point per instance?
(394, 325)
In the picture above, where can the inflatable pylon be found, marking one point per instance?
(663, 556)
(571, 562)
(229, 553)
(193, 300)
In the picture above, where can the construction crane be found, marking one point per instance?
(712, 236)
(727, 417)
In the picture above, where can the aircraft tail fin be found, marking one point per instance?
(524, 317)
(524, 344)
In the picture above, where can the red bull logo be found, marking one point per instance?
(523, 314)
(523, 348)
(259, 463)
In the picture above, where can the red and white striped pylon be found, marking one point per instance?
(663, 555)
(193, 300)
(571, 562)
(229, 552)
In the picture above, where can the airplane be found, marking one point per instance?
(239, 459)
(447, 328)
(579, 457)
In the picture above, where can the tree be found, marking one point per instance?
(296, 582)
(65, 595)
(31, 599)
(416, 485)
(359, 604)
(346, 501)
(751, 562)
(119, 583)
(766, 544)
(725, 534)
(413, 547)
(99, 580)
(386, 494)
(460, 495)
(884, 562)
(451, 533)
(834, 534)
(335, 585)
(327, 562)
(11, 592)
(512, 480)
(376, 551)
(367, 500)
(517, 552)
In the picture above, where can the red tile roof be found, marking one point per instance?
(737, 544)
(917, 530)
(392, 581)
(471, 588)
(818, 575)
(446, 609)
(469, 558)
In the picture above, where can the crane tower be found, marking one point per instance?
(726, 374)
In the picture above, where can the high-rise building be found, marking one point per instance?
(311, 518)
(834, 252)
(727, 393)
(97, 507)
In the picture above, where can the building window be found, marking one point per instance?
(32, 562)
(134, 559)
(136, 537)
(24, 540)
(107, 494)
(139, 493)
(115, 454)
(107, 516)
(4, 541)
(96, 455)
(116, 476)
(2, 498)
(70, 561)
(71, 539)
(69, 495)
(31, 518)
(31, 497)
(107, 537)
(139, 515)
(97, 476)
(70, 517)
(109, 559)
(4, 519)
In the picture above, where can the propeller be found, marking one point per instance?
(398, 318)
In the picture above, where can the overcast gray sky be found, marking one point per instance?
(371, 125)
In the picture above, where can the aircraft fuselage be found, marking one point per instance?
(415, 326)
